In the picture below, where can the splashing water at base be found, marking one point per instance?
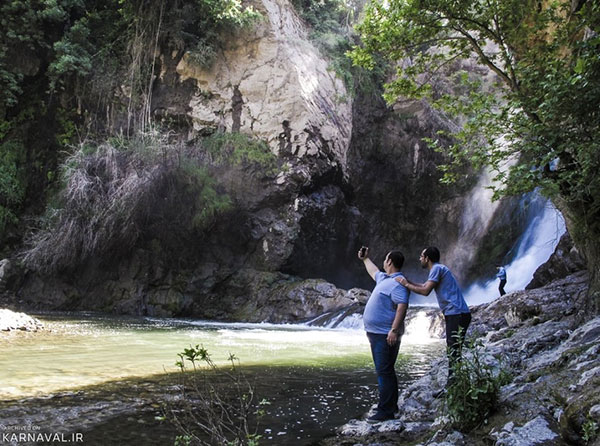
(418, 331)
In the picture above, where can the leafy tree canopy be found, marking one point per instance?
(535, 120)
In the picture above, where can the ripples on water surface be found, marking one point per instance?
(316, 379)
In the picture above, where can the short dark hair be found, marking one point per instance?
(397, 258)
(432, 253)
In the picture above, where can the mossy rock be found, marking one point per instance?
(577, 412)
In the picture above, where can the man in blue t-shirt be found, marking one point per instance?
(451, 302)
(384, 323)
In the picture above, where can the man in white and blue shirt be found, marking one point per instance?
(450, 299)
(384, 323)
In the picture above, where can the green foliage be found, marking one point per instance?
(326, 16)
(240, 149)
(183, 440)
(98, 60)
(72, 53)
(119, 193)
(473, 394)
(12, 188)
(590, 431)
(331, 25)
(27, 30)
(86, 42)
(218, 404)
(209, 202)
(68, 128)
(536, 123)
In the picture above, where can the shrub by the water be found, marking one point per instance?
(217, 405)
(119, 192)
(473, 395)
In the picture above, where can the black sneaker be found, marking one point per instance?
(379, 418)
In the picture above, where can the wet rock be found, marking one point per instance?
(359, 295)
(9, 320)
(10, 273)
(417, 403)
(359, 428)
(535, 432)
(554, 301)
(4, 271)
(442, 438)
(565, 260)
(261, 296)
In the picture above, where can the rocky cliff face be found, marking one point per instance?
(272, 83)
(353, 171)
(565, 261)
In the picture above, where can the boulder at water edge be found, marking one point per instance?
(9, 320)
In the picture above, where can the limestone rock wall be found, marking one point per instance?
(271, 82)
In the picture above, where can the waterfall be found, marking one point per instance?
(544, 229)
(545, 226)
(537, 243)
(476, 217)
(423, 327)
(534, 247)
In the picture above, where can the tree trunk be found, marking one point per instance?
(587, 242)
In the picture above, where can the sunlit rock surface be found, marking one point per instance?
(272, 82)
(9, 320)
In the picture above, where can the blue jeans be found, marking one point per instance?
(384, 358)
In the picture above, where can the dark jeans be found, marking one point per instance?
(501, 287)
(384, 358)
(456, 330)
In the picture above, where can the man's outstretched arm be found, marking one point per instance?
(420, 288)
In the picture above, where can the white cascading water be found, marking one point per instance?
(476, 217)
(544, 230)
(352, 322)
(418, 330)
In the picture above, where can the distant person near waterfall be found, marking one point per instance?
(451, 302)
(501, 274)
(384, 323)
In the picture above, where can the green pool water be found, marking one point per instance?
(315, 378)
